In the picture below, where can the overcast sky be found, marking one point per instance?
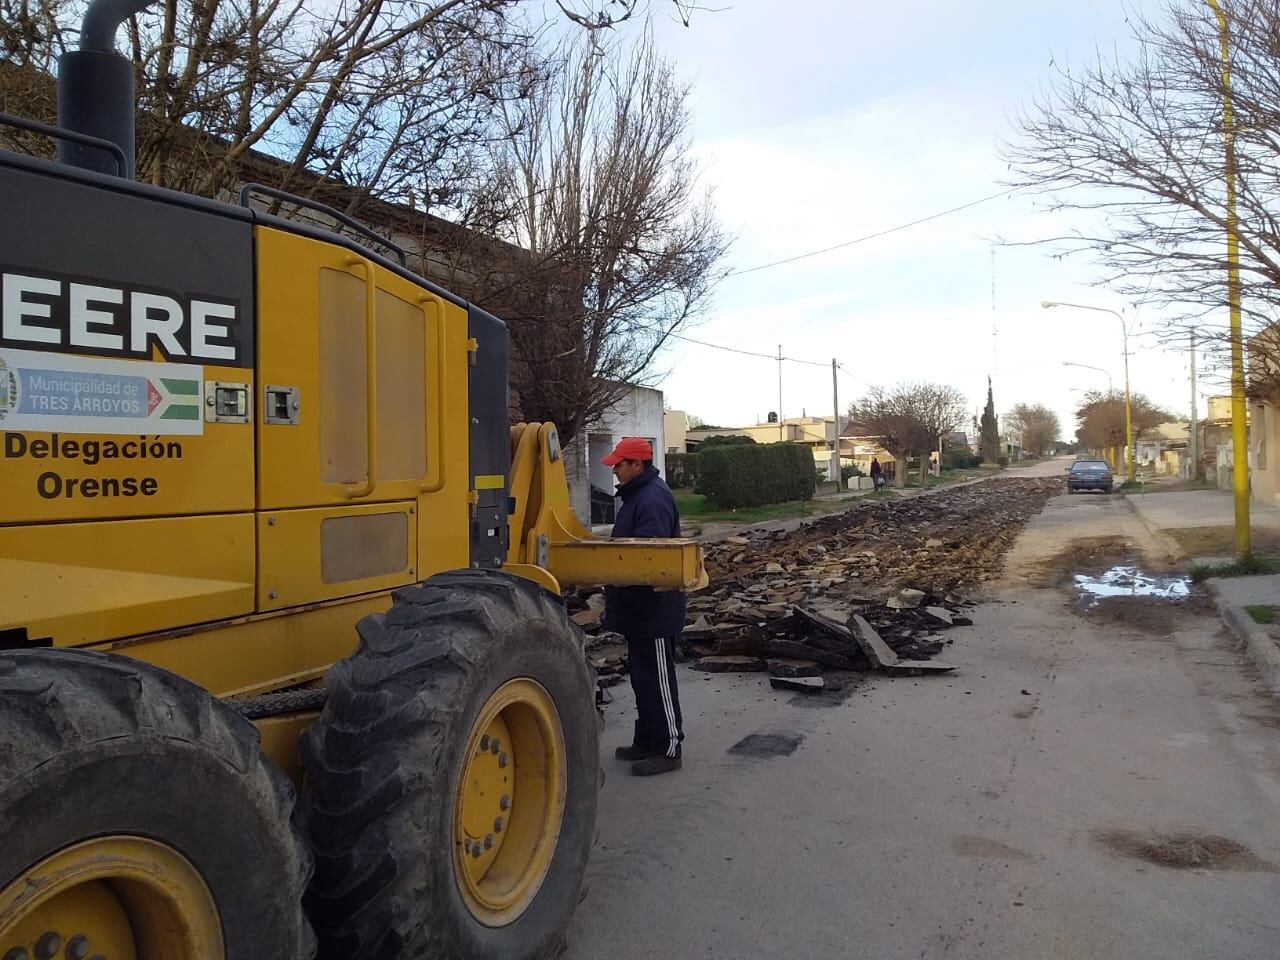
(818, 122)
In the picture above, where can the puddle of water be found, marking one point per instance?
(1129, 581)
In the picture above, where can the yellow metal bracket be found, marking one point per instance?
(545, 533)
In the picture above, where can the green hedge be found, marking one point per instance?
(750, 475)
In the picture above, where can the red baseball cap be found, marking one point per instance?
(629, 448)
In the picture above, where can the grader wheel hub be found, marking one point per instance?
(510, 802)
(113, 898)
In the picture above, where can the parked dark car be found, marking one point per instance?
(1089, 475)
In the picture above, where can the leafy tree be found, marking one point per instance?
(989, 431)
(1100, 419)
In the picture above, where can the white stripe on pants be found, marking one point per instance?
(664, 686)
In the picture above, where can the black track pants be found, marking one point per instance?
(653, 678)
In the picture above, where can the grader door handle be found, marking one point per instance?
(354, 491)
(434, 479)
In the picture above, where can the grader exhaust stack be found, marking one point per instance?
(95, 90)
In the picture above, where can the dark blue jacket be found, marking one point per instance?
(642, 613)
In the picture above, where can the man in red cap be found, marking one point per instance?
(649, 619)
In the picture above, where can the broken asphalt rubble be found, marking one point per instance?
(870, 588)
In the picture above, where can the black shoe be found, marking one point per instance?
(637, 751)
(652, 766)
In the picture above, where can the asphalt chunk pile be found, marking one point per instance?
(907, 567)
(790, 603)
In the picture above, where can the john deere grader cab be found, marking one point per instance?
(231, 443)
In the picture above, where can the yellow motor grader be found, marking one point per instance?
(284, 665)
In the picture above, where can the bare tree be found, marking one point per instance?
(1038, 425)
(613, 246)
(940, 409)
(607, 14)
(886, 417)
(1143, 144)
(393, 99)
(908, 419)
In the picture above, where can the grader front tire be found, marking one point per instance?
(452, 777)
(139, 820)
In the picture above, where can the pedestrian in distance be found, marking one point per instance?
(877, 474)
(649, 619)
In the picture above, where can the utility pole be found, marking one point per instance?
(781, 437)
(835, 403)
(1128, 409)
(1239, 430)
(1193, 442)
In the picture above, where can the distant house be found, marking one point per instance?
(1264, 440)
(858, 451)
(816, 433)
(591, 486)
(1164, 448)
(1214, 443)
(675, 431)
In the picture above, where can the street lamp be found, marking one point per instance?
(1110, 386)
(1128, 412)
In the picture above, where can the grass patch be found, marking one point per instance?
(1179, 486)
(1220, 541)
(694, 506)
(1261, 613)
(1254, 566)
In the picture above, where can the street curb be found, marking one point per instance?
(1264, 650)
(1166, 542)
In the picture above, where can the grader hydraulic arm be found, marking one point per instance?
(549, 545)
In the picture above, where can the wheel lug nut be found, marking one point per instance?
(502, 760)
(484, 742)
(47, 946)
(466, 845)
(496, 745)
(17, 953)
(475, 851)
(77, 947)
(497, 825)
(505, 802)
(488, 841)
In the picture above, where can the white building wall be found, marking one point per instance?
(638, 414)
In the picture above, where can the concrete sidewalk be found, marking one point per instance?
(1184, 509)
(1199, 508)
(1161, 512)
(1263, 640)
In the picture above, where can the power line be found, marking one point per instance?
(873, 236)
(721, 346)
(843, 369)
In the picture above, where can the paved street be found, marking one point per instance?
(1000, 812)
